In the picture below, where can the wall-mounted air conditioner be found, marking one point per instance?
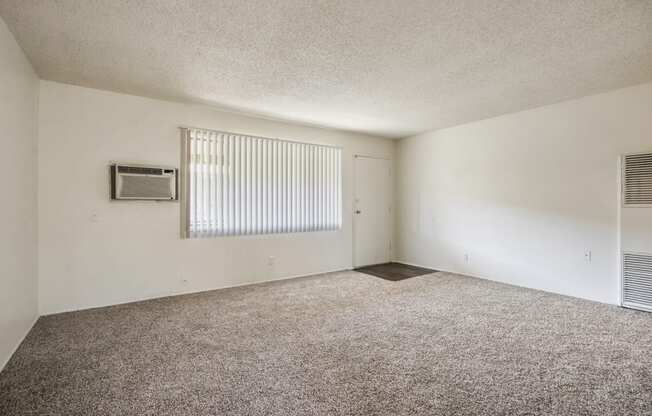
(636, 231)
(143, 182)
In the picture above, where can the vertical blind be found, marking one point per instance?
(238, 185)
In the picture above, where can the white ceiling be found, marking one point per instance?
(383, 67)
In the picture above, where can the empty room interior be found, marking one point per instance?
(299, 207)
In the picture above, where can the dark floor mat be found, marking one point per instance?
(394, 271)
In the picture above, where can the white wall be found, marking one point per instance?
(18, 107)
(525, 194)
(94, 252)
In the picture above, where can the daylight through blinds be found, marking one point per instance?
(238, 185)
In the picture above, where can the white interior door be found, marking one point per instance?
(372, 223)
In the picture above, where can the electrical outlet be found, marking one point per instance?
(271, 260)
(467, 258)
(588, 256)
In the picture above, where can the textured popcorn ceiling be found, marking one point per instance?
(389, 68)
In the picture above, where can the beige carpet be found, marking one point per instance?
(339, 344)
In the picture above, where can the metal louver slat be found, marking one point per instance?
(637, 296)
(637, 180)
(637, 281)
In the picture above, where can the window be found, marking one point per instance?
(238, 185)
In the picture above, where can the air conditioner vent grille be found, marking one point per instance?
(637, 281)
(134, 182)
(140, 170)
(638, 179)
(146, 187)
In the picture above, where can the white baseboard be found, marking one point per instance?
(507, 283)
(279, 279)
(448, 271)
(20, 341)
(191, 292)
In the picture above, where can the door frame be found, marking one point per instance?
(354, 192)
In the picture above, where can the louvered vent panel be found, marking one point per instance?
(637, 281)
(146, 187)
(638, 179)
